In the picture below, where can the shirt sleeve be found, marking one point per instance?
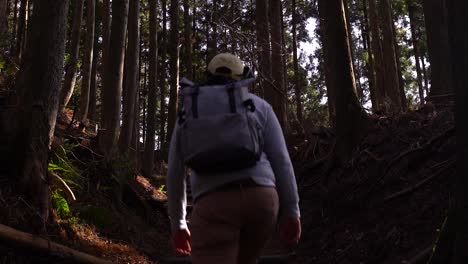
(278, 155)
(176, 185)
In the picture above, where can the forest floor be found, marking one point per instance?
(384, 206)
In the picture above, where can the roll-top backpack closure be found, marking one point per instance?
(218, 131)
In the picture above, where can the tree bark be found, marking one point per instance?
(458, 43)
(391, 84)
(131, 80)
(148, 162)
(426, 80)
(112, 93)
(72, 65)
(87, 61)
(162, 78)
(297, 81)
(188, 61)
(174, 67)
(14, 27)
(351, 120)
(20, 34)
(3, 21)
(263, 45)
(436, 17)
(94, 85)
(277, 97)
(38, 86)
(376, 44)
(370, 64)
(414, 38)
(401, 82)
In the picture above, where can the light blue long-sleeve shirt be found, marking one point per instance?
(274, 169)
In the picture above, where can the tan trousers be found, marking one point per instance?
(233, 226)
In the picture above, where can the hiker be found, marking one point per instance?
(242, 179)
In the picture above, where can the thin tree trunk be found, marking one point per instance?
(297, 80)
(162, 78)
(426, 80)
(357, 76)
(131, 80)
(112, 93)
(277, 97)
(94, 85)
(87, 61)
(413, 25)
(370, 64)
(21, 29)
(106, 23)
(263, 45)
(351, 120)
(72, 65)
(376, 44)
(3, 20)
(14, 28)
(233, 17)
(187, 41)
(148, 165)
(174, 67)
(38, 85)
(391, 84)
(401, 82)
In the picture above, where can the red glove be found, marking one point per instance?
(290, 231)
(181, 241)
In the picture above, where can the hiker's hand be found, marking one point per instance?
(290, 231)
(181, 241)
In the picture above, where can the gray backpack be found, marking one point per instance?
(218, 131)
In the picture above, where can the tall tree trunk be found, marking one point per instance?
(148, 163)
(414, 38)
(14, 28)
(436, 17)
(106, 23)
(21, 29)
(426, 80)
(212, 16)
(72, 65)
(131, 80)
(234, 11)
(162, 78)
(370, 64)
(401, 82)
(112, 92)
(188, 60)
(351, 120)
(357, 76)
(87, 61)
(263, 45)
(277, 96)
(376, 44)
(297, 81)
(3, 21)
(458, 43)
(94, 85)
(174, 67)
(391, 84)
(38, 84)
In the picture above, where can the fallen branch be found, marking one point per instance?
(15, 237)
(421, 257)
(421, 183)
(64, 185)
